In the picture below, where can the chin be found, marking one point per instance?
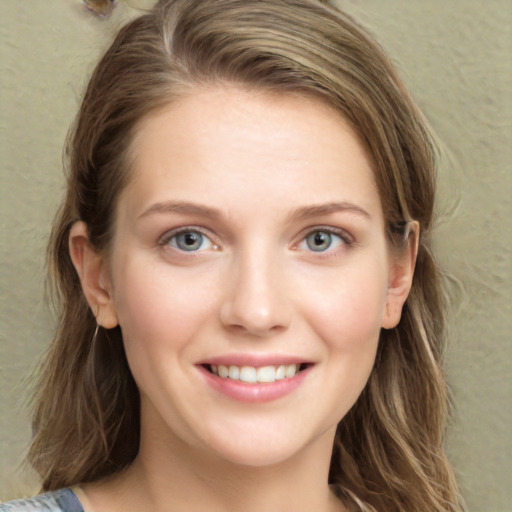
(255, 457)
(258, 450)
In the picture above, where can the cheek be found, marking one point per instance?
(347, 311)
(347, 317)
(160, 313)
(159, 309)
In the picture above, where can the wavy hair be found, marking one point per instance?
(388, 452)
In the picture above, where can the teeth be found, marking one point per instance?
(248, 374)
(290, 370)
(252, 374)
(266, 374)
(234, 372)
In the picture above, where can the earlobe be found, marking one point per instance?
(91, 269)
(400, 278)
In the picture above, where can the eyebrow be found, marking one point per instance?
(302, 213)
(318, 210)
(181, 207)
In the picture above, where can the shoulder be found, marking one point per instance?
(63, 500)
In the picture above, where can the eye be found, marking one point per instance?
(322, 240)
(189, 241)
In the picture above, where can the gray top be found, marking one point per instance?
(63, 500)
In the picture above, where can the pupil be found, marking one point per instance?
(319, 241)
(189, 241)
(320, 238)
(190, 238)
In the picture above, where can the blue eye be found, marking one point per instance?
(321, 241)
(190, 241)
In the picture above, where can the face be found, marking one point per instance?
(249, 273)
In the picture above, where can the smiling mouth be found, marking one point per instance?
(256, 374)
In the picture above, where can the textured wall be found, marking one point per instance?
(456, 58)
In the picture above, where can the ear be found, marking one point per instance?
(400, 277)
(92, 271)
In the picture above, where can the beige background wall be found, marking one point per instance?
(456, 58)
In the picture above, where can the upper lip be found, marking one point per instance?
(256, 360)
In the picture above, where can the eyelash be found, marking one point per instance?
(346, 239)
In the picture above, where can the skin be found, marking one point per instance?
(258, 173)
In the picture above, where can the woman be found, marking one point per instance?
(251, 315)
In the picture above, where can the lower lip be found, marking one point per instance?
(254, 392)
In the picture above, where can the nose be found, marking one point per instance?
(256, 303)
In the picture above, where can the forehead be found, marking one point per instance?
(219, 143)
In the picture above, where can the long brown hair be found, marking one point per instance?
(388, 452)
